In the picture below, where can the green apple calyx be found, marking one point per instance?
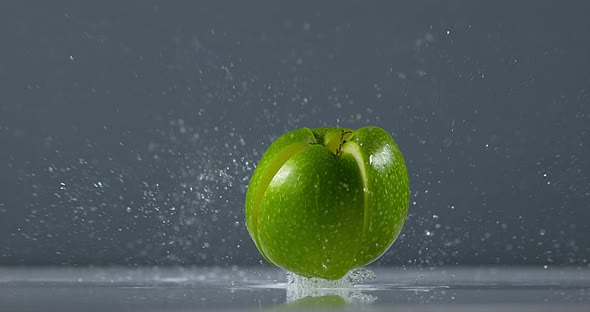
(327, 200)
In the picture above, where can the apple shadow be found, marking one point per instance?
(327, 297)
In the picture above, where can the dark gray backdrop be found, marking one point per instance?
(129, 130)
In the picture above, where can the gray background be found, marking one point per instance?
(129, 130)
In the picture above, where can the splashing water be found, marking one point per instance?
(299, 287)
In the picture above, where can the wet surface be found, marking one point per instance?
(260, 288)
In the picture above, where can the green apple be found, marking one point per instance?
(327, 200)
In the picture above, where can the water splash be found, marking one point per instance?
(300, 287)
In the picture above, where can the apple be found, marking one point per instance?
(326, 200)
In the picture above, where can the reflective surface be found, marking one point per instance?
(261, 288)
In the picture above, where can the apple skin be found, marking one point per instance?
(327, 200)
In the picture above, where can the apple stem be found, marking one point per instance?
(342, 134)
